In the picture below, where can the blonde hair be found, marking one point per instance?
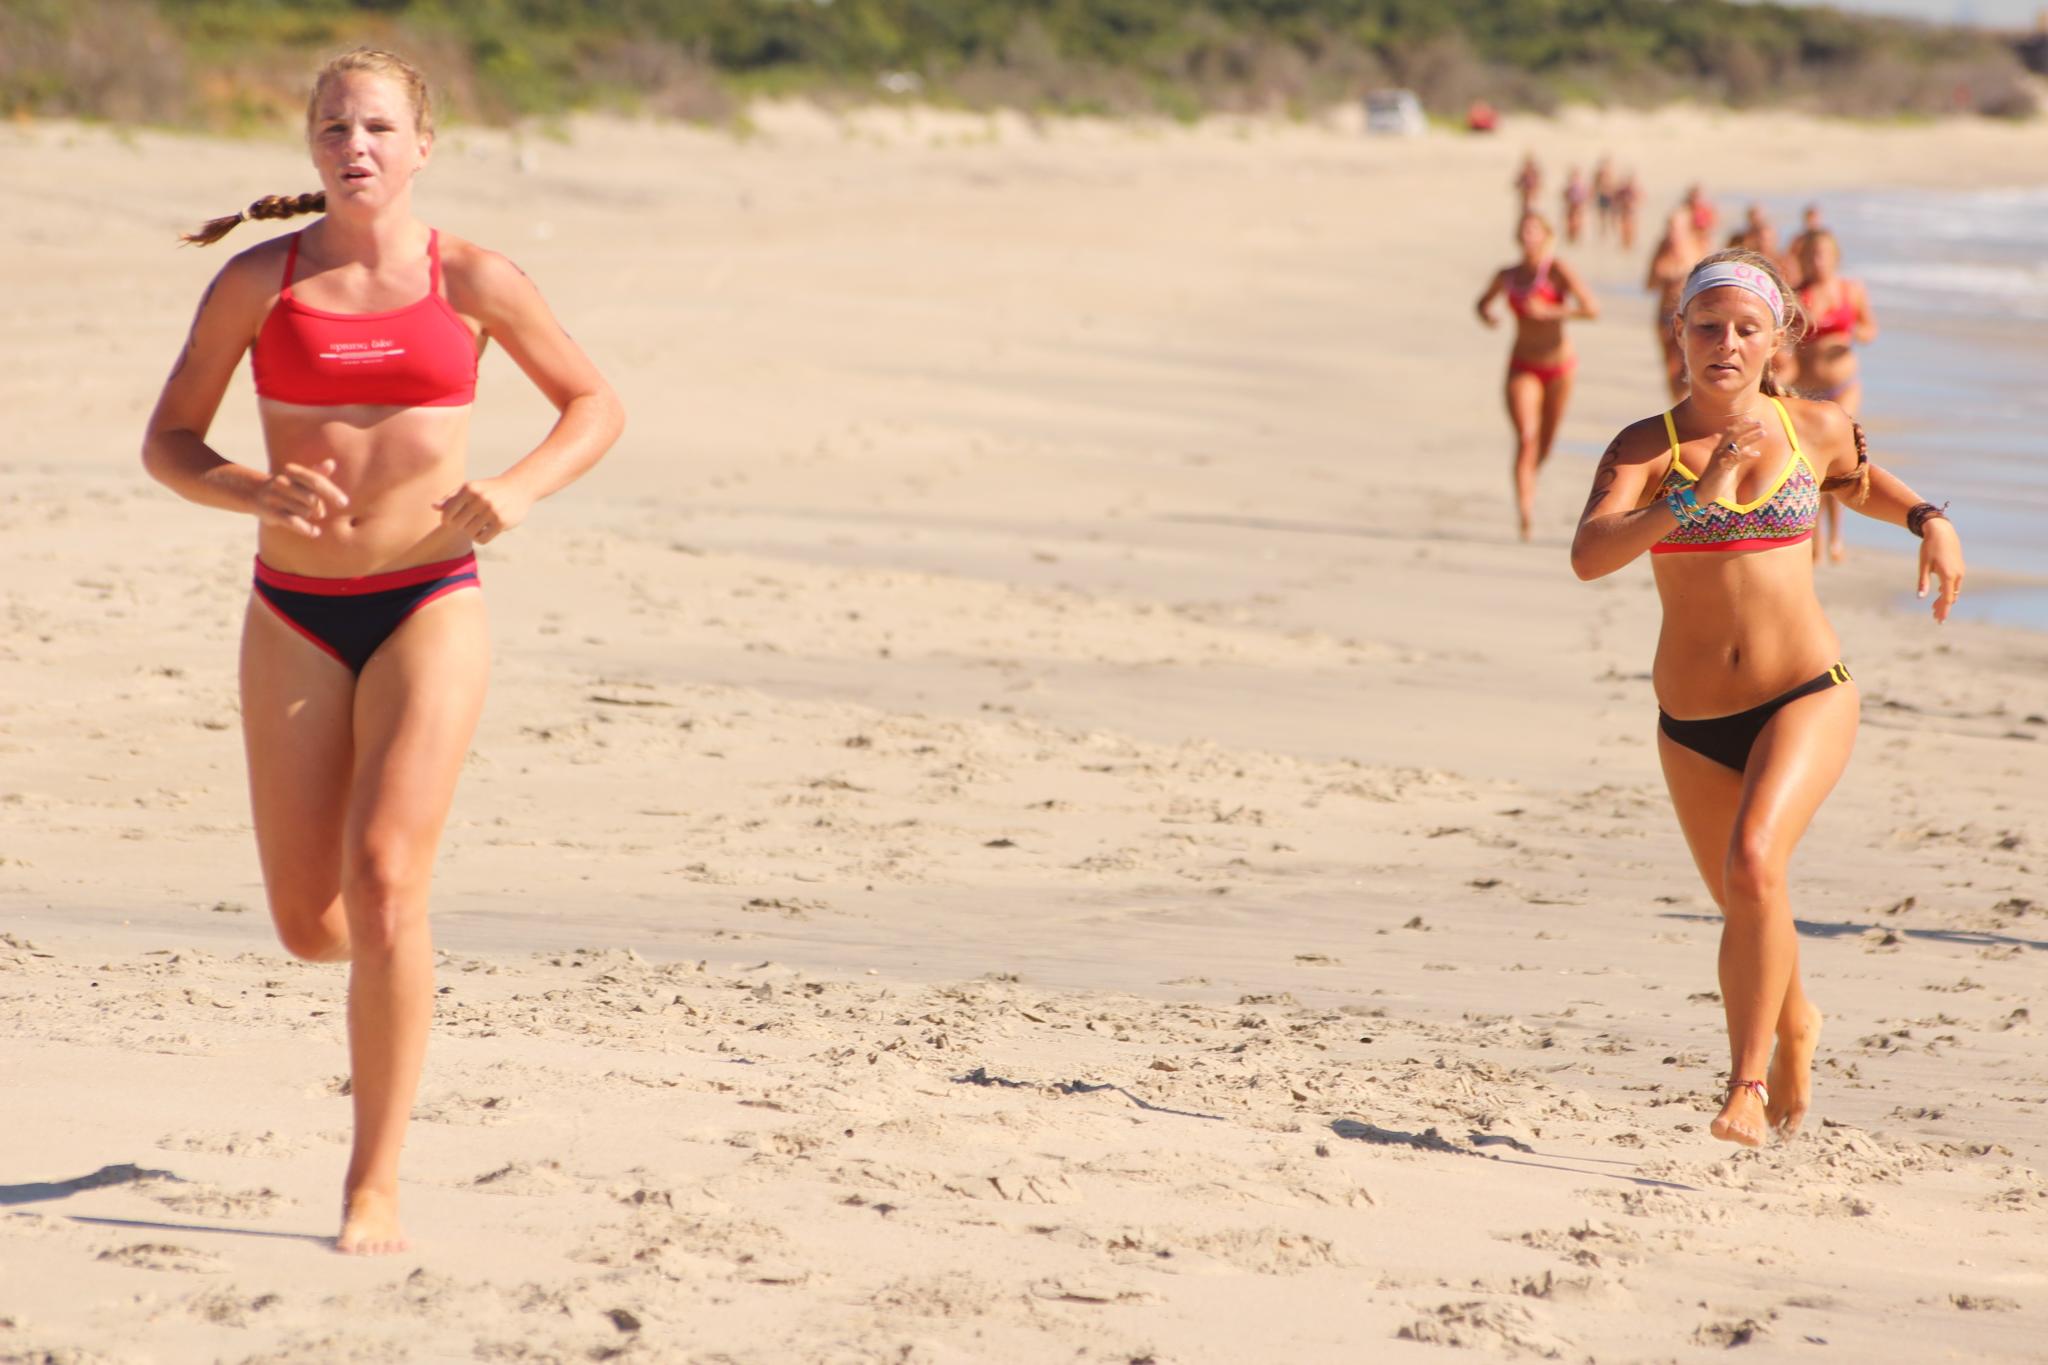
(1792, 321)
(1810, 243)
(369, 60)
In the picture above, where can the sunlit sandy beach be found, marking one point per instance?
(1016, 819)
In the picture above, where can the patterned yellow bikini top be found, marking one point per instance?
(1784, 515)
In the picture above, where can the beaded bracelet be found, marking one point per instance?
(1921, 513)
(1685, 505)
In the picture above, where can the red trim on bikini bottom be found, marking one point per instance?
(329, 650)
(413, 610)
(355, 587)
(434, 596)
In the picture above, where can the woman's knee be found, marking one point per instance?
(1754, 873)
(310, 928)
(384, 885)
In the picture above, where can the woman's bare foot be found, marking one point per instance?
(1791, 1078)
(369, 1225)
(1837, 551)
(1741, 1119)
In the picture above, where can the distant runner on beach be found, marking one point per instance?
(1542, 292)
(1576, 194)
(1677, 251)
(1838, 320)
(1810, 222)
(1756, 712)
(1628, 198)
(1605, 183)
(1528, 182)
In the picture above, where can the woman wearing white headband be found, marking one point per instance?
(1756, 712)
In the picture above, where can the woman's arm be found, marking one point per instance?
(1883, 496)
(1585, 305)
(1494, 288)
(497, 292)
(1660, 259)
(1612, 530)
(1866, 322)
(174, 447)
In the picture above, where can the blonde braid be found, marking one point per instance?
(269, 206)
(367, 59)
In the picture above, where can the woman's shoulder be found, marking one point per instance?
(263, 261)
(479, 279)
(253, 276)
(1642, 439)
(1820, 422)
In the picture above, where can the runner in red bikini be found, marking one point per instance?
(1542, 292)
(364, 653)
(1827, 367)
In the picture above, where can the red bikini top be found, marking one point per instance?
(1540, 286)
(418, 356)
(1840, 318)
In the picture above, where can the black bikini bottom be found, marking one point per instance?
(1728, 739)
(349, 618)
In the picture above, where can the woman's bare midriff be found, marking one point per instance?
(393, 463)
(1540, 341)
(1740, 627)
(1826, 364)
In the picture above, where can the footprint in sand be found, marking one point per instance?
(162, 1256)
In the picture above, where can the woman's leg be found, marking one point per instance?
(1706, 797)
(1525, 411)
(416, 707)
(297, 724)
(1796, 762)
(1556, 394)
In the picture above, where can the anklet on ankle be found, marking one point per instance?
(1761, 1093)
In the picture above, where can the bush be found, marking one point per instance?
(506, 59)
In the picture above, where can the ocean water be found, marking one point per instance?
(1955, 388)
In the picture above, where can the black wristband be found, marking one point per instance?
(1920, 514)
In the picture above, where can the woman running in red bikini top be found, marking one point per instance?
(1825, 364)
(1543, 293)
(364, 648)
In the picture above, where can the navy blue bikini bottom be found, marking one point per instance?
(349, 618)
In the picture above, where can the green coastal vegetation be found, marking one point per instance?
(235, 64)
